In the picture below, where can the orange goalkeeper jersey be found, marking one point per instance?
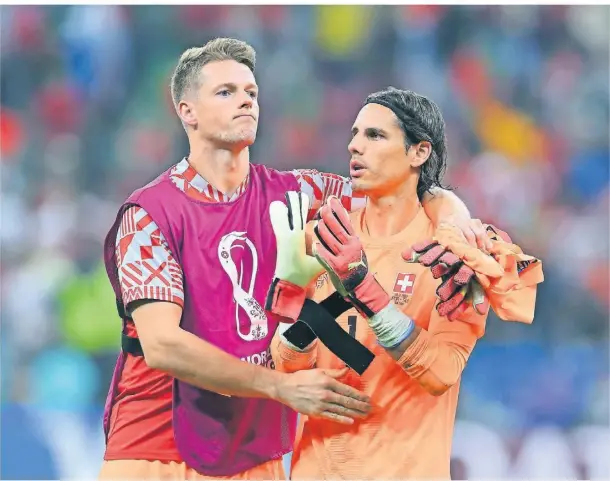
(409, 433)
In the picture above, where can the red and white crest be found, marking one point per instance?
(404, 283)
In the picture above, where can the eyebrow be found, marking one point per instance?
(233, 86)
(369, 130)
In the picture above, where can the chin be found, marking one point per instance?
(358, 185)
(367, 188)
(247, 135)
(244, 138)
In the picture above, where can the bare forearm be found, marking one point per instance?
(195, 361)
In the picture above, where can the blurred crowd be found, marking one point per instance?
(86, 117)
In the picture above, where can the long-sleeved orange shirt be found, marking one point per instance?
(409, 433)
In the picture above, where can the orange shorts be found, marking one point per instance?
(143, 469)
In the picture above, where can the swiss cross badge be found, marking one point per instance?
(403, 288)
(404, 283)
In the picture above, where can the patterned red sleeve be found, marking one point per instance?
(147, 268)
(319, 185)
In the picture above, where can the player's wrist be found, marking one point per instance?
(391, 326)
(274, 383)
(369, 297)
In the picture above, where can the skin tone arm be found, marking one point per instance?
(444, 206)
(185, 356)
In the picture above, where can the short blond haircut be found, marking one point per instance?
(186, 75)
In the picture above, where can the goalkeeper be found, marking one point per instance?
(421, 345)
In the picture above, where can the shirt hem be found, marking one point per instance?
(148, 456)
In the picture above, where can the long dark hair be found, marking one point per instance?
(420, 119)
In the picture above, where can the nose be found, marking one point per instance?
(246, 101)
(355, 146)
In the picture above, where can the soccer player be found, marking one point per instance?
(397, 153)
(190, 257)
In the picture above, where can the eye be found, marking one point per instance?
(253, 94)
(223, 93)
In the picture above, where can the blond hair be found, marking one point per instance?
(186, 75)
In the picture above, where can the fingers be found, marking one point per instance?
(409, 255)
(446, 263)
(421, 247)
(348, 391)
(432, 255)
(414, 252)
(347, 406)
(341, 214)
(463, 276)
(294, 200)
(475, 296)
(444, 308)
(457, 313)
(481, 238)
(320, 242)
(447, 289)
(343, 412)
(470, 236)
(328, 239)
(336, 373)
(304, 207)
(335, 417)
(439, 270)
(333, 224)
(278, 213)
(310, 238)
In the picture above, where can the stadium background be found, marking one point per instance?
(86, 117)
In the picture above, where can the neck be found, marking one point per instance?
(224, 169)
(388, 214)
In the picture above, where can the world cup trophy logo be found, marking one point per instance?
(235, 264)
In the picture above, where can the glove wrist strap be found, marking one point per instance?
(369, 297)
(285, 299)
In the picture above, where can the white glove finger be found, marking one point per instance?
(304, 207)
(278, 213)
(295, 202)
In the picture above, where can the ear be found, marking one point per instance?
(420, 153)
(187, 114)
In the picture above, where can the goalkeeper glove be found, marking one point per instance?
(459, 286)
(455, 262)
(341, 253)
(294, 269)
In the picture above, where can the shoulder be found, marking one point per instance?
(269, 174)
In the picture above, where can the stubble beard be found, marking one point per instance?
(245, 136)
